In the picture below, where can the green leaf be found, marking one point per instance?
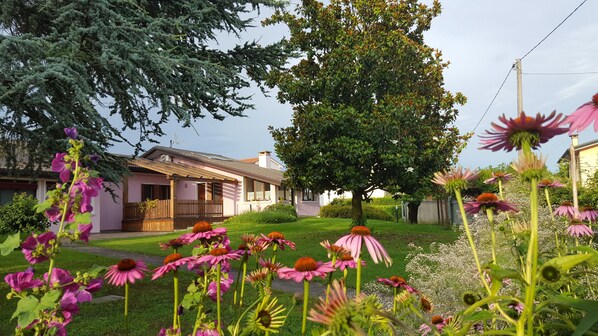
(43, 206)
(567, 262)
(84, 218)
(49, 299)
(26, 311)
(590, 307)
(499, 273)
(593, 260)
(10, 244)
(95, 270)
(481, 315)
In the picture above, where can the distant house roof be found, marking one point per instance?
(181, 170)
(221, 162)
(256, 160)
(583, 146)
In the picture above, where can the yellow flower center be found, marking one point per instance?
(202, 227)
(172, 258)
(220, 251)
(306, 264)
(361, 230)
(126, 265)
(487, 198)
(275, 235)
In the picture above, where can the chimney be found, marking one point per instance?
(264, 159)
(574, 140)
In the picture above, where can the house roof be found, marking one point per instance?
(181, 170)
(583, 146)
(221, 162)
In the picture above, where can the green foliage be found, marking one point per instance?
(20, 216)
(370, 109)
(144, 63)
(282, 207)
(269, 217)
(344, 211)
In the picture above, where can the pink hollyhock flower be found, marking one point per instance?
(84, 231)
(87, 189)
(69, 306)
(21, 281)
(71, 132)
(224, 287)
(54, 214)
(38, 248)
(202, 230)
(579, 229)
(588, 213)
(306, 268)
(218, 255)
(397, 282)
(126, 271)
(534, 130)
(276, 238)
(207, 332)
(61, 279)
(61, 167)
(566, 209)
(169, 332)
(360, 235)
(488, 201)
(455, 179)
(346, 261)
(548, 183)
(581, 118)
(171, 263)
(499, 176)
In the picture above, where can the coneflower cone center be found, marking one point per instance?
(361, 230)
(523, 120)
(595, 99)
(202, 227)
(126, 265)
(346, 257)
(436, 319)
(336, 249)
(243, 246)
(306, 264)
(264, 318)
(176, 243)
(220, 251)
(576, 221)
(275, 235)
(587, 208)
(545, 182)
(426, 304)
(566, 203)
(487, 198)
(397, 279)
(172, 258)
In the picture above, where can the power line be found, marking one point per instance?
(555, 28)
(493, 99)
(560, 73)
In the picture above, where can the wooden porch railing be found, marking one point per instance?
(160, 209)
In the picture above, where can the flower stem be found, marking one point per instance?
(548, 202)
(196, 326)
(394, 301)
(243, 283)
(470, 238)
(218, 299)
(489, 213)
(127, 307)
(305, 302)
(531, 263)
(175, 324)
(358, 280)
(328, 283)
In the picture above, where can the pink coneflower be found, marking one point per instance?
(218, 256)
(437, 321)
(360, 235)
(578, 229)
(566, 209)
(276, 238)
(584, 116)
(334, 311)
(306, 268)
(499, 176)
(126, 271)
(273, 267)
(204, 231)
(397, 282)
(174, 244)
(346, 261)
(455, 179)
(258, 278)
(244, 249)
(523, 129)
(548, 183)
(334, 250)
(588, 213)
(38, 248)
(488, 201)
(249, 238)
(171, 263)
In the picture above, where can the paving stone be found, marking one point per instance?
(107, 298)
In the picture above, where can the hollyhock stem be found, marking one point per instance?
(531, 263)
(218, 275)
(175, 315)
(305, 301)
(358, 280)
(196, 326)
(328, 284)
(470, 238)
(492, 233)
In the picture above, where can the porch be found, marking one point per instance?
(157, 215)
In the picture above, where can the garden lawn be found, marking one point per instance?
(150, 301)
(307, 233)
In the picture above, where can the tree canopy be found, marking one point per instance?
(107, 66)
(370, 109)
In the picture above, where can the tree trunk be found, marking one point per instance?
(357, 216)
(413, 207)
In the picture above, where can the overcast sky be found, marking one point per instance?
(481, 39)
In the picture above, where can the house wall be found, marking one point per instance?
(186, 190)
(108, 213)
(328, 196)
(136, 180)
(588, 163)
(306, 208)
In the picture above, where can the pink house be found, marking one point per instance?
(171, 189)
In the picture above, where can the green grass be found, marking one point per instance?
(307, 233)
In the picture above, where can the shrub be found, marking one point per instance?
(344, 211)
(264, 217)
(20, 215)
(282, 207)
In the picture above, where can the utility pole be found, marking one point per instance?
(573, 169)
(519, 86)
